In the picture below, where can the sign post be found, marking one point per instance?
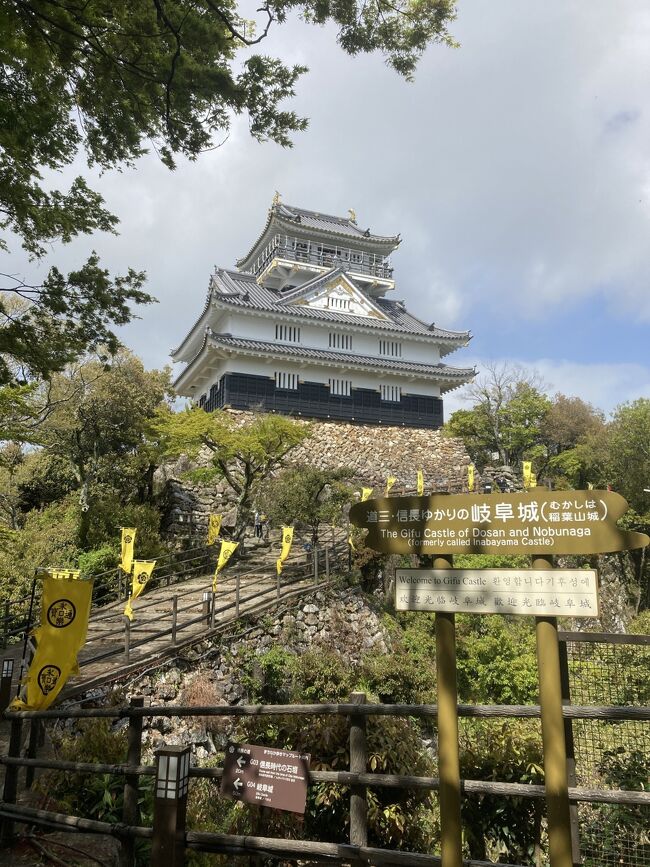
(539, 523)
(556, 778)
(448, 752)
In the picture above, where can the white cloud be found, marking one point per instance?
(603, 385)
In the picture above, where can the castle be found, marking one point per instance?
(304, 327)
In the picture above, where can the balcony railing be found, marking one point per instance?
(313, 253)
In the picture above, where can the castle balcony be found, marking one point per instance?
(286, 258)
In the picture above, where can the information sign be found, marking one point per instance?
(266, 776)
(538, 592)
(537, 522)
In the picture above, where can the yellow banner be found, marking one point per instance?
(128, 543)
(366, 493)
(420, 483)
(470, 477)
(287, 540)
(65, 608)
(533, 480)
(527, 467)
(390, 481)
(142, 570)
(225, 553)
(214, 528)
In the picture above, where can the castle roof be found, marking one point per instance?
(292, 220)
(236, 290)
(448, 377)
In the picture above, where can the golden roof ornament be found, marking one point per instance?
(277, 198)
(353, 215)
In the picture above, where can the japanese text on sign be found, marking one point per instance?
(538, 592)
(266, 776)
(545, 522)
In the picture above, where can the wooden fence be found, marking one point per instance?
(357, 712)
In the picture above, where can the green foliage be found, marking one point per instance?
(400, 678)
(605, 826)
(323, 675)
(47, 538)
(640, 625)
(505, 829)
(629, 453)
(491, 561)
(243, 453)
(62, 318)
(497, 661)
(304, 495)
(506, 418)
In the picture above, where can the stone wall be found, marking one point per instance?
(209, 672)
(372, 452)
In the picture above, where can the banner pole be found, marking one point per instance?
(448, 752)
(553, 739)
(27, 629)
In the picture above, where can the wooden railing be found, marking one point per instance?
(110, 585)
(357, 711)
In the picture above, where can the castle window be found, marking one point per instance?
(338, 303)
(341, 387)
(340, 341)
(288, 381)
(287, 333)
(390, 348)
(391, 392)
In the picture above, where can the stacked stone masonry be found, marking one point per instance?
(373, 453)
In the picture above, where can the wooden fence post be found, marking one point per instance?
(130, 811)
(237, 593)
(10, 791)
(206, 606)
(327, 563)
(555, 759)
(448, 752)
(5, 625)
(5, 683)
(315, 564)
(174, 617)
(127, 639)
(212, 609)
(169, 806)
(570, 754)
(34, 739)
(358, 765)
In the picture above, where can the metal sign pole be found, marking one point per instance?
(448, 752)
(555, 759)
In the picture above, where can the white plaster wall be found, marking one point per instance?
(363, 343)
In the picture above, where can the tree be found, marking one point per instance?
(572, 432)
(307, 495)
(506, 416)
(98, 430)
(629, 453)
(244, 454)
(47, 326)
(111, 80)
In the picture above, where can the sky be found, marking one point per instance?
(516, 168)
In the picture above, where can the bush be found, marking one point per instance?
(499, 827)
(399, 678)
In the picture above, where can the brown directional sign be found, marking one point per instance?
(534, 522)
(266, 776)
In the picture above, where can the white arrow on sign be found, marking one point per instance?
(237, 784)
(241, 761)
